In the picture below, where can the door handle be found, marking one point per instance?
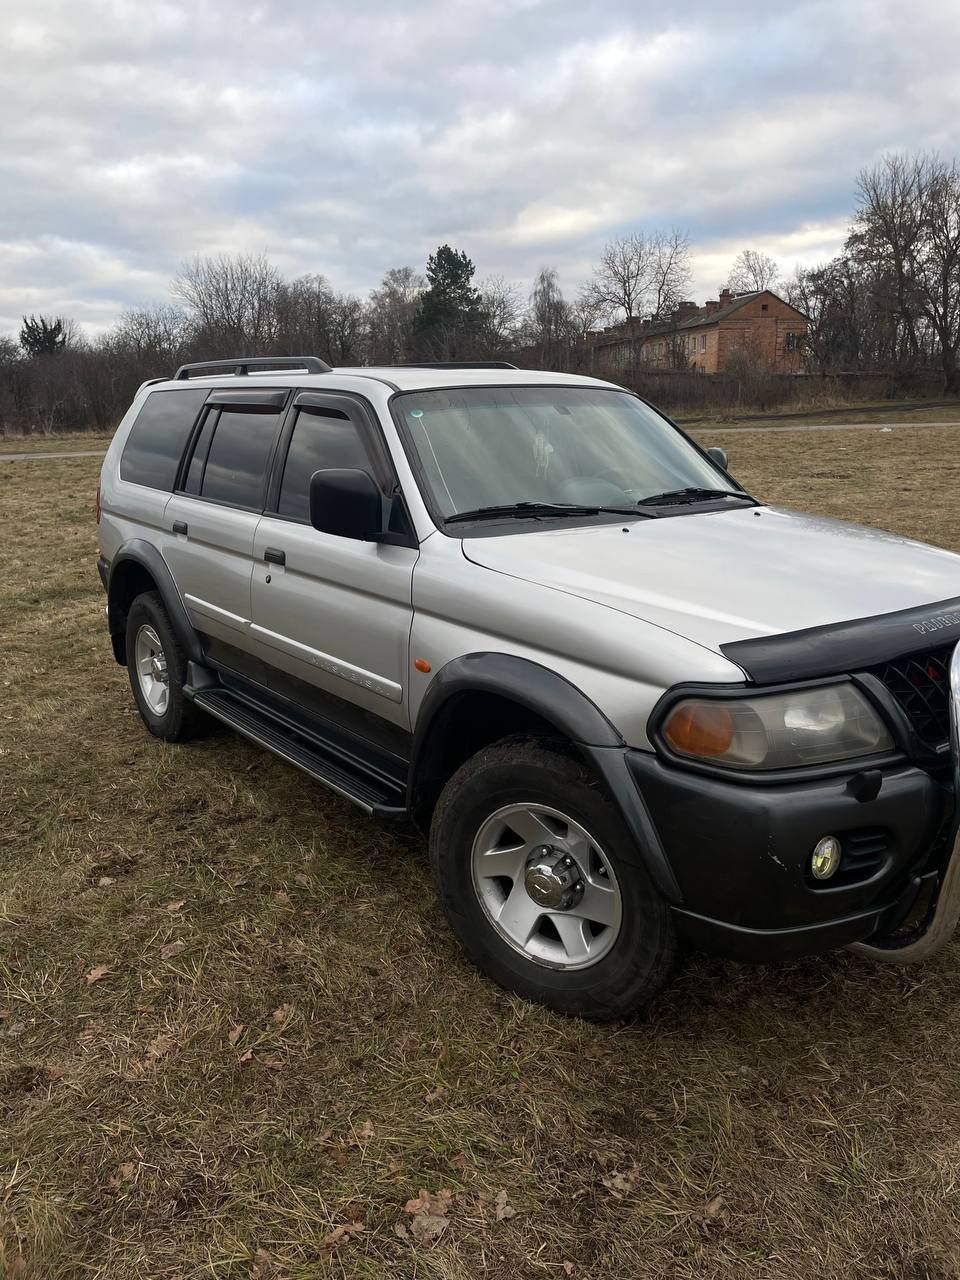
(179, 526)
(274, 556)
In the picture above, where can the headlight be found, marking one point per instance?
(778, 730)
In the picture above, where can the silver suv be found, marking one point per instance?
(634, 707)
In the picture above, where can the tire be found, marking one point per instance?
(635, 951)
(174, 719)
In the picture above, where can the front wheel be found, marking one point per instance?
(543, 885)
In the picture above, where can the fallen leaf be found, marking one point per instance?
(125, 1173)
(620, 1184)
(282, 1013)
(429, 1212)
(399, 1229)
(300, 878)
(96, 973)
(17, 1268)
(715, 1211)
(172, 949)
(246, 1057)
(157, 1048)
(340, 1235)
(261, 1265)
(435, 1095)
(428, 1226)
(104, 881)
(502, 1209)
(569, 1268)
(363, 1134)
(175, 906)
(459, 1161)
(235, 1033)
(272, 1064)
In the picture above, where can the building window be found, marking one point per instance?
(790, 341)
(703, 342)
(764, 306)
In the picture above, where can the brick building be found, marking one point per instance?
(760, 327)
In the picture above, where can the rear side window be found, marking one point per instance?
(321, 438)
(157, 438)
(236, 469)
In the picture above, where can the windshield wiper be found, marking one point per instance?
(693, 493)
(540, 509)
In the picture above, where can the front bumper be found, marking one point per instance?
(740, 852)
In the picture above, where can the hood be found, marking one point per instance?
(717, 577)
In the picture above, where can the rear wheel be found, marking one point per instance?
(157, 666)
(544, 887)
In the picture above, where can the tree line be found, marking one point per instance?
(890, 302)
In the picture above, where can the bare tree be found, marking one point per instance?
(392, 310)
(752, 272)
(309, 317)
(908, 224)
(640, 275)
(502, 309)
(548, 317)
(670, 272)
(231, 300)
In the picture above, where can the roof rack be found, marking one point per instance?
(242, 366)
(454, 364)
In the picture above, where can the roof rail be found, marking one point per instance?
(454, 364)
(242, 366)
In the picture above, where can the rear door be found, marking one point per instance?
(214, 513)
(331, 615)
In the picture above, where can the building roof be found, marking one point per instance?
(694, 319)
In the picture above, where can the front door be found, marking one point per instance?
(332, 613)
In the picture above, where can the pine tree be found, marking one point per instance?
(42, 337)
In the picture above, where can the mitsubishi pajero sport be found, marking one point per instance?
(634, 707)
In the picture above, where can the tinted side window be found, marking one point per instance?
(321, 438)
(236, 469)
(153, 447)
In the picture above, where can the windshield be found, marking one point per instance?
(496, 446)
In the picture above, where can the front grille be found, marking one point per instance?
(920, 684)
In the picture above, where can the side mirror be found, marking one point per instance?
(346, 502)
(719, 456)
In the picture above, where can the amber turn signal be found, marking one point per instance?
(421, 664)
(700, 729)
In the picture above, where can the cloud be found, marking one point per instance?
(346, 140)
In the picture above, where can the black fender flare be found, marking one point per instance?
(560, 703)
(146, 555)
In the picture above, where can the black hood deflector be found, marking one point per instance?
(846, 646)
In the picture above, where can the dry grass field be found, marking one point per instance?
(237, 1038)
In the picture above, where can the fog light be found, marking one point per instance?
(825, 858)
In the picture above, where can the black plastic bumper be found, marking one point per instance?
(740, 852)
(103, 568)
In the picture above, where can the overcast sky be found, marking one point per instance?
(349, 138)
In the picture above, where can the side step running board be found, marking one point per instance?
(373, 792)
